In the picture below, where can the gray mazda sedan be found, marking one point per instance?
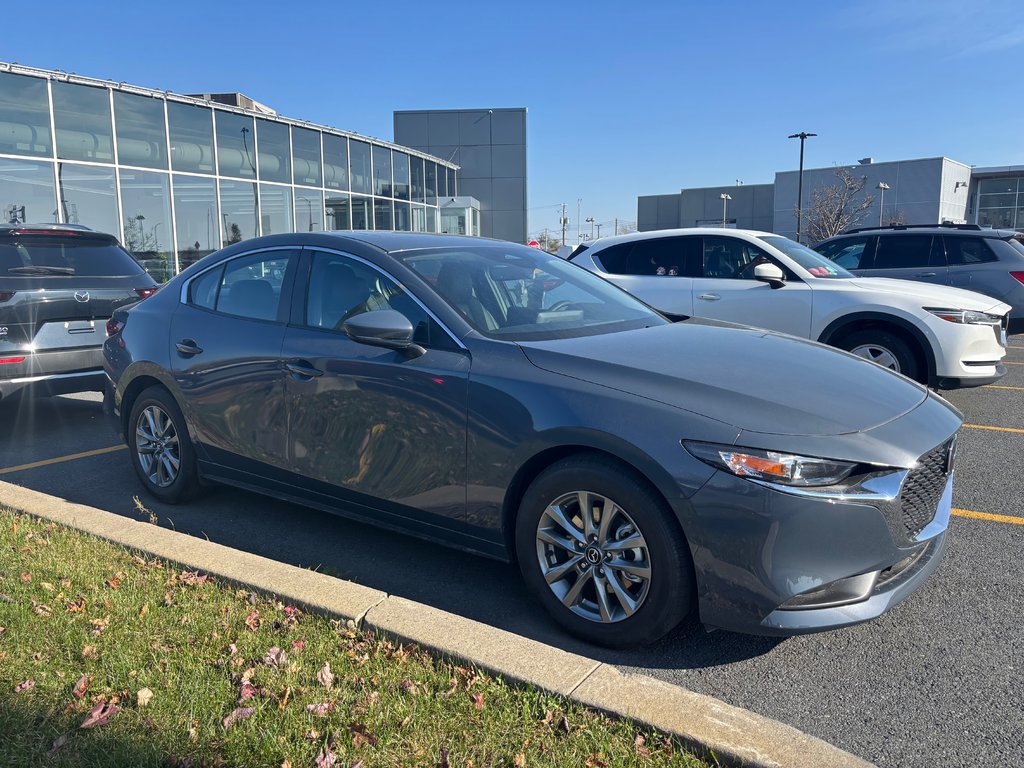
(500, 400)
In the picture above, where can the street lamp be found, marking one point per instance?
(599, 230)
(590, 220)
(803, 136)
(726, 197)
(882, 186)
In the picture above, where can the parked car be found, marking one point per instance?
(59, 284)
(989, 261)
(942, 336)
(496, 398)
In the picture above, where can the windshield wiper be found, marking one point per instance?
(42, 270)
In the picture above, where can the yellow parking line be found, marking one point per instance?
(1012, 519)
(1007, 362)
(1000, 386)
(995, 429)
(60, 459)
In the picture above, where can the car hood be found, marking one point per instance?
(755, 380)
(930, 295)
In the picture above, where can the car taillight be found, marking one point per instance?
(8, 360)
(114, 326)
(1019, 276)
(144, 292)
(5, 295)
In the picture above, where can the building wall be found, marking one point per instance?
(489, 145)
(751, 206)
(657, 212)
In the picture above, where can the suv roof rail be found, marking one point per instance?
(49, 226)
(900, 227)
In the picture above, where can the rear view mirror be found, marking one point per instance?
(771, 274)
(382, 328)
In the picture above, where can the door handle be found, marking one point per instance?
(188, 347)
(926, 274)
(302, 369)
(709, 297)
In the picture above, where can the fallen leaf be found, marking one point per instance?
(409, 687)
(252, 621)
(168, 600)
(247, 675)
(100, 715)
(115, 581)
(81, 686)
(193, 578)
(76, 606)
(6, 599)
(478, 700)
(298, 645)
(639, 743)
(41, 609)
(240, 713)
(143, 697)
(232, 649)
(361, 735)
(326, 758)
(26, 577)
(596, 761)
(443, 761)
(284, 699)
(286, 764)
(59, 742)
(89, 652)
(275, 657)
(144, 611)
(325, 677)
(563, 723)
(548, 717)
(520, 760)
(2, 630)
(321, 709)
(312, 734)
(247, 691)
(47, 586)
(28, 685)
(99, 625)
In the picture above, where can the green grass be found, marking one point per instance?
(73, 606)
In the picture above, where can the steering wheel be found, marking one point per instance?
(747, 270)
(560, 306)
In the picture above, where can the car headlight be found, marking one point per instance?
(965, 316)
(771, 466)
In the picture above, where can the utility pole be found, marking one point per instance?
(803, 136)
(565, 221)
(616, 225)
(579, 207)
(599, 230)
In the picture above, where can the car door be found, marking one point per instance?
(967, 258)
(225, 349)
(727, 290)
(658, 271)
(380, 426)
(909, 257)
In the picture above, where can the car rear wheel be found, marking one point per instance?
(603, 553)
(162, 453)
(885, 349)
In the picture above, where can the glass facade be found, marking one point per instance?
(1001, 202)
(176, 179)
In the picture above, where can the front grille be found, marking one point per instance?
(922, 490)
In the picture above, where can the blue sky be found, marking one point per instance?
(624, 99)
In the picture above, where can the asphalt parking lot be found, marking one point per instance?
(937, 681)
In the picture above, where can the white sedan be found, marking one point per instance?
(945, 337)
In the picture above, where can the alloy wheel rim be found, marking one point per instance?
(878, 355)
(593, 557)
(156, 446)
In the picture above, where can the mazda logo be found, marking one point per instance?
(81, 296)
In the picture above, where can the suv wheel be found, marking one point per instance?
(885, 349)
(603, 553)
(162, 452)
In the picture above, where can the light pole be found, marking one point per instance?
(726, 197)
(803, 136)
(590, 220)
(599, 230)
(579, 207)
(882, 186)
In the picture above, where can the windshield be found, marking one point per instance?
(816, 264)
(522, 294)
(29, 256)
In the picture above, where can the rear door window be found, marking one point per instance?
(850, 252)
(86, 257)
(663, 257)
(907, 251)
(249, 286)
(968, 250)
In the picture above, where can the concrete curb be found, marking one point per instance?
(733, 735)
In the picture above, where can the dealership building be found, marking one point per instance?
(176, 177)
(921, 191)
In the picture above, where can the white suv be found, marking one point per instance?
(941, 336)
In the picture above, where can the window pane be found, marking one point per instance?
(452, 183)
(25, 121)
(402, 221)
(195, 211)
(202, 292)
(275, 209)
(847, 253)
(419, 218)
(382, 214)
(274, 151)
(237, 211)
(141, 139)
(442, 181)
(359, 164)
(337, 212)
(997, 201)
(997, 186)
(335, 161)
(999, 218)
(26, 191)
(361, 213)
(82, 118)
(382, 172)
(431, 219)
(234, 145)
(431, 189)
(87, 196)
(309, 210)
(191, 137)
(417, 179)
(306, 151)
(968, 250)
(146, 218)
(252, 286)
(401, 161)
(903, 251)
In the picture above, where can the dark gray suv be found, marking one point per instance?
(59, 285)
(989, 261)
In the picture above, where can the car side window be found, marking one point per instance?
(968, 250)
(849, 253)
(248, 286)
(340, 287)
(906, 252)
(729, 257)
(663, 257)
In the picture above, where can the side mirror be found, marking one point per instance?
(382, 328)
(771, 274)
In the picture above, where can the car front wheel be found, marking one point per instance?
(162, 453)
(603, 553)
(884, 349)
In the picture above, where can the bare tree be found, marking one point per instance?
(897, 219)
(548, 242)
(836, 208)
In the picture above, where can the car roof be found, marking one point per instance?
(933, 229)
(402, 241)
(604, 242)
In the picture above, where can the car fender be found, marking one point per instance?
(923, 335)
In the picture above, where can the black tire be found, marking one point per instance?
(177, 445)
(669, 594)
(882, 340)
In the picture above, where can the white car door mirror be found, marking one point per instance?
(771, 274)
